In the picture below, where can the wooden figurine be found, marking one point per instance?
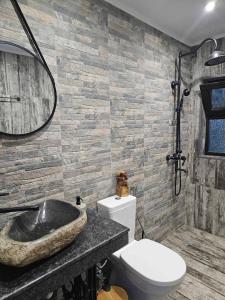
(122, 189)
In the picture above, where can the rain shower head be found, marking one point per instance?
(216, 58)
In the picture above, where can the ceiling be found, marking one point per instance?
(185, 20)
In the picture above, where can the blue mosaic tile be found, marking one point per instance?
(216, 139)
(218, 98)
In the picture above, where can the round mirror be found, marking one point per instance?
(27, 91)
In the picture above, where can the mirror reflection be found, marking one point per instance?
(27, 92)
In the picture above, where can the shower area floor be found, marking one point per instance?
(204, 254)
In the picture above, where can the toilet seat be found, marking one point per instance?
(154, 263)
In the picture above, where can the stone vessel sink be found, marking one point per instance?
(35, 235)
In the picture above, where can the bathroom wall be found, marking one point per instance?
(206, 181)
(115, 111)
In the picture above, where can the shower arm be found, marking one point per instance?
(196, 48)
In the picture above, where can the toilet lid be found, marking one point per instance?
(154, 262)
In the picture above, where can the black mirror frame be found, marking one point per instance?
(53, 85)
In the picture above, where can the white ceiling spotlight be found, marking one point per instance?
(210, 6)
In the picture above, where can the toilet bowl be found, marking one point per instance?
(146, 269)
(149, 270)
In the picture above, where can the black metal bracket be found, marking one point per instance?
(81, 289)
(91, 279)
(77, 291)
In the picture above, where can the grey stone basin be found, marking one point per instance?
(35, 235)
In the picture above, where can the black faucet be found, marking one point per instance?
(4, 210)
(4, 194)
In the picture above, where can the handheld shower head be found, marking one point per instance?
(185, 93)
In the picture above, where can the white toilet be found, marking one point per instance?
(146, 269)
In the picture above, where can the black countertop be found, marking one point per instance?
(100, 238)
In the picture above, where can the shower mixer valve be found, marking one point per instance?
(177, 157)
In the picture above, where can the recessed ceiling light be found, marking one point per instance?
(210, 6)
